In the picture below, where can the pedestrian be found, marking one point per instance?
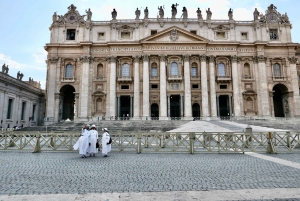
(93, 140)
(105, 140)
(83, 142)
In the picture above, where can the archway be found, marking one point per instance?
(66, 106)
(280, 100)
(154, 111)
(196, 110)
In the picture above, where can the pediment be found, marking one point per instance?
(174, 35)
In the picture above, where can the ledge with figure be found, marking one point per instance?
(5, 69)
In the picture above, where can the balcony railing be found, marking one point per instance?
(279, 78)
(223, 78)
(68, 79)
(124, 79)
(195, 77)
(154, 77)
(100, 78)
(175, 78)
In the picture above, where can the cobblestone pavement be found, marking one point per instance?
(24, 173)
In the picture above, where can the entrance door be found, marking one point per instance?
(196, 110)
(280, 107)
(66, 106)
(175, 106)
(224, 107)
(125, 106)
(154, 111)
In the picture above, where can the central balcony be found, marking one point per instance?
(124, 79)
(68, 79)
(225, 78)
(175, 78)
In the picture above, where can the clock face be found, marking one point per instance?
(272, 17)
(72, 18)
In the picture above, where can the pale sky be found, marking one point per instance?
(25, 23)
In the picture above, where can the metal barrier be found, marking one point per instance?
(182, 142)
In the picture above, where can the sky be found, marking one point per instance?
(25, 23)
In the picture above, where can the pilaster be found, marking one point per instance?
(204, 90)
(146, 100)
(212, 84)
(187, 88)
(163, 88)
(112, 95)
(136, 101)
(235, 84)
(295, 85)
(51, 86)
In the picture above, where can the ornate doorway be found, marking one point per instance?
(280, 101)
(66, 102)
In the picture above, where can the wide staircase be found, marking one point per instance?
(112, 126)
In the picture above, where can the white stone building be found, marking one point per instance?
(170, 67)
(22, 103)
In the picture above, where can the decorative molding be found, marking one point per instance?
(53, 59)
(211, 59)
(262, 58)
(136, 58)
(203, 57)
(186, 57)
(235, 59)
(293, 60)
(87, 59)
(111, 59)
(162, 57)
(174, 35)
(146, 57)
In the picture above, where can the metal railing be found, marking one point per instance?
(183, 142)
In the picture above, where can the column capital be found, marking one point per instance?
(136, 58)
(259, 59)
(146, 57)
(292, 60)
(235, 59)
(87, 59)
(186, 57)
(203, 57)
(53, 60)
(111, 59)
(162, 57)
(212, 58)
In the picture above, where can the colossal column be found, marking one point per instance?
(112, 84)
(145, 86)
(212, 87)
(295, 85)
(263, 85)
(235, 86)
(204, 92)
(163, 88)
(187, 88)
(84, 88)
(52, 62)
(136, 101)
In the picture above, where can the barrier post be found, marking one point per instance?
(139, 143)
(37, 147)
(192, 139)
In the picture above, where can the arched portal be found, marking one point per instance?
(196, 110)
(280, 100)
(66, 106)
(154, 111)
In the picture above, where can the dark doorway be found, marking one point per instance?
(154, 111)
(224, 106)
(125, 106)
(278, 95)
(66, 105)
(196, 110)
(175, 106)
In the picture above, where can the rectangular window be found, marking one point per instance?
(154, 72)
(244, 36)
(194, 72)
(195, 86)
(194, 32)
(220, 35)
(9, 108)
(154, 86)
(23, 110)
(33, 112)
(125, 35)
(153, 32)
(273, 34)
(223, 86)
(124, 86)
(101, 36)
(71, 34)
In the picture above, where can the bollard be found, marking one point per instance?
(270, 147)
(11, 141)
(52, 144)
(192, 140)
(139, 143)
(288, 139)
(37, 147)
(248, 131)
(146, 140)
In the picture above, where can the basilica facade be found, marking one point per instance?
(171, 67)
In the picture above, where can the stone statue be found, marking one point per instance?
(285, 18)
(199, 14)
(146, 13)
(255, 14)
(174, 10)
(208, 14)
(272, 7)
(230, 14)
(89, 14)
(114, 14)
(184, 13)
(161, 12)
(5, 69)
(18, 75)
(54, 17)
(21, 76)
(137, 14)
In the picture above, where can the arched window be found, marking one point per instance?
(194, 70)
(125, 70)
(247, 73)
(100, 70)
(221, 69)
(277, 70)
(154, 72)
(174, 69)
(69, 71)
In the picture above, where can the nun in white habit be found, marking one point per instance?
(105, 139)
(93, 140)
(83, 142)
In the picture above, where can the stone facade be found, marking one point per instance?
(171, 67)
(22, 102)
